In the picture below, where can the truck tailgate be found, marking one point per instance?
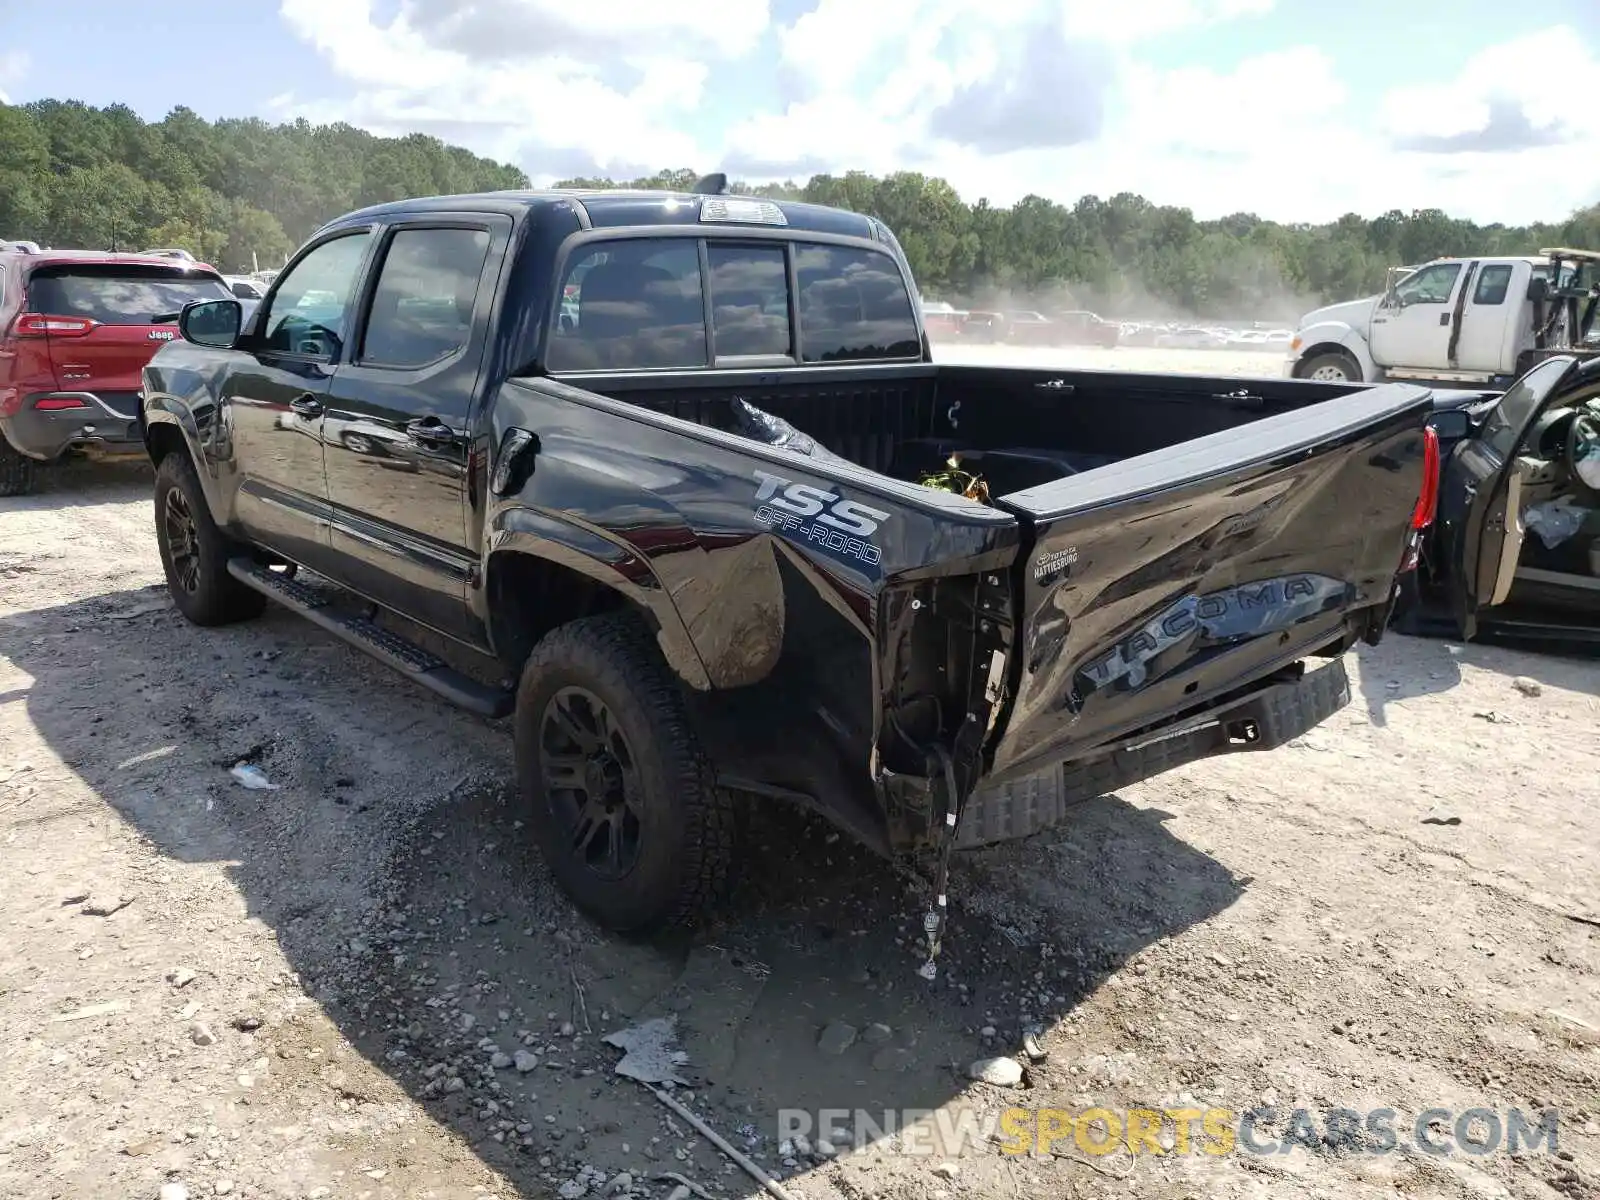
(1160, 584)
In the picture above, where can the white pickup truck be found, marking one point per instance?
(1453, 321)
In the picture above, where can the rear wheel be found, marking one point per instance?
(1331, 368)
(195, 553)
(622, 800)
(16, 470)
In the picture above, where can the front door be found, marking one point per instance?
(396, 433)
(1411, 327)
(274, 398)
(1480, 497)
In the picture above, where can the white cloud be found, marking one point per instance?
(532, 81)
(13, 70)
(1001, 97)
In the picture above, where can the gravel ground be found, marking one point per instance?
(361, 983)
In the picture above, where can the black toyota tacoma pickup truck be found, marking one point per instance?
(570, 432)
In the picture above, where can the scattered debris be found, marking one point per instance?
(103, 905)
(1528, 685)
(1032, 1047)
(1440, 816)
(1494, 718)
(253, 777)
(1001, 1072)
(651, 1055)
(687, 1186)
(837, 1038)
(107, 1009)
(180, 977)
(748, 1165)
(947, 1170)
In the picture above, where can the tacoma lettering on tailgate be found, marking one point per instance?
(1231, 614)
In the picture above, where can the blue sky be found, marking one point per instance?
(1210, 103)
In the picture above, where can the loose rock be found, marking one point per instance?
(876, 1034)
(1001, 1072)
(837, 1038)
(525, 1061)
(180, 977)
(1527, 685)
(173, 1191)
(200, 1034)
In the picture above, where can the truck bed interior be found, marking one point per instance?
(1016, 428)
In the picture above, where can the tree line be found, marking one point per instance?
(239, 191)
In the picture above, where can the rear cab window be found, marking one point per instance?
(117, 294)
(673, 303)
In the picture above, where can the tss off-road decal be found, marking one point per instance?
(819, 516)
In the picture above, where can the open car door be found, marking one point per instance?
(1481, 496)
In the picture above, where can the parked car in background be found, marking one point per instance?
(1192, 338)
(1079, 327)
(245, 287)
(942, 320)
(76, 328)
(983, 326)
(1026, 328)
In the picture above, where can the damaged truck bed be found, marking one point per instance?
(584, 463)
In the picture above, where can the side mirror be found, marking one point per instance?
(214, 323)
(1538, 288)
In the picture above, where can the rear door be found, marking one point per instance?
(1480, 497)
(1487, 317)
(1164, 583)
(1412, 326)
(396, 434)
(111, 318)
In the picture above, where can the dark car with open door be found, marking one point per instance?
(1515, 551)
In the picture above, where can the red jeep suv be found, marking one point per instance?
(76, 328)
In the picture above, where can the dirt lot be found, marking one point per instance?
(300, 992)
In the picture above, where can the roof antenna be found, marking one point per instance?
(715, 184)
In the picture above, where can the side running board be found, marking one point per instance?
(388, 647)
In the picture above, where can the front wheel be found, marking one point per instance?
(1330, 368)
(195, 553)
(621, 798)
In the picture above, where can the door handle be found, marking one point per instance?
(432, 431)
(1444, 318)
(306, 405)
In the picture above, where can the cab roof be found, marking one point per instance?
(620, 208)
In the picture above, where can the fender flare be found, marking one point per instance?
(1337, 335)
(607, 560)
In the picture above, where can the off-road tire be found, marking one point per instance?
(688, 825)
(215, 597)
(1346, 364)
(16, 470)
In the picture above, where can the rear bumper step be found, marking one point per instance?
(383, 644)
(1025, 805)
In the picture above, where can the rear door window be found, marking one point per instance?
(854, 305)
(631, 304)
(427, 287)
(1492, 284)
(120, 295)
(749, 301)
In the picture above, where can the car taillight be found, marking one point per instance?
(1428, 501)
(57, 403)
(44, 325)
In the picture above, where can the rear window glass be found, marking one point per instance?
(749, 300)
(638, 304)
(853, 305)
(120, 295)
(633, 304)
